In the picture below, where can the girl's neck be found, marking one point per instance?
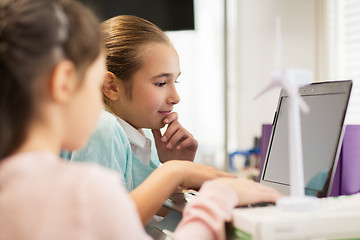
(38, 143)
(41, 137)
(124, 119)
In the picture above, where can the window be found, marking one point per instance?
(344, 49)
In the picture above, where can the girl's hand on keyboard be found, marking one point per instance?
(250, 192)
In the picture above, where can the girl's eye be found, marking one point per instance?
(160, 84)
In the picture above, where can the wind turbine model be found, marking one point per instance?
(291, 80)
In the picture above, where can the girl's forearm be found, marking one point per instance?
(153, 192)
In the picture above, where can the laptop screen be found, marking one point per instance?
(322, 131)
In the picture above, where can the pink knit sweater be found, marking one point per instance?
(45, 197)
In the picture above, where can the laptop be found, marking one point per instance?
(322, 131)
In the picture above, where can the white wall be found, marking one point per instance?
(201, 109)
(255, 55)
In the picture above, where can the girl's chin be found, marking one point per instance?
(159, 125)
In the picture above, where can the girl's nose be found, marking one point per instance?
(174, 97)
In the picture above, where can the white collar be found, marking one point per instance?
(132, 133)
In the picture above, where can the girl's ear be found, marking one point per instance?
(63, 81)
(111, 87)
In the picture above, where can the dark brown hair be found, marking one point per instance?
(125, 36)
(34, 36)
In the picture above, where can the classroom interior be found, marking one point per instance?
(227, 54)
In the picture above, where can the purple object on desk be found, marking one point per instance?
(350, 160)
(347, 175)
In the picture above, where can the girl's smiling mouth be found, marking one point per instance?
(166, 113)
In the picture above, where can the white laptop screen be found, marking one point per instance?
(321, 131)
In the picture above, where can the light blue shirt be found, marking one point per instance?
(110, 147)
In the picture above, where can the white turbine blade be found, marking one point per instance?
(292, 80)
(272, 85)
(292, 92)
(299, 77)
(303, 105)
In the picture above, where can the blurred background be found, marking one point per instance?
(227, 55)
